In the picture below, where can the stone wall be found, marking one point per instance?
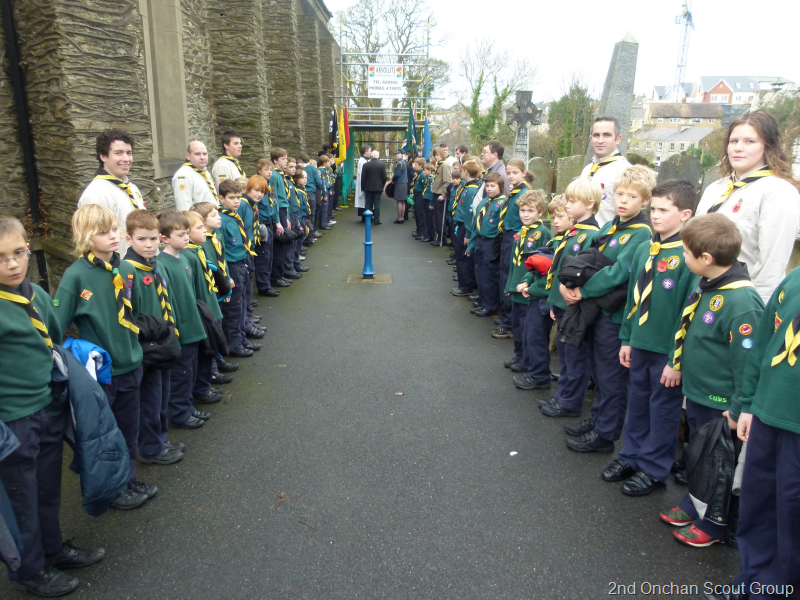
(198, 72)
(311, 92)
(13, 193)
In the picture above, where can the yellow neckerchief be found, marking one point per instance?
(635, 223)
(606, 161)
(644, 283)
(235, 162)
(564, 238)
(206, 176)
(284, 176)
(163, 295)
(733, 184)
(25, 298)
(256, 229)
(511, 196)
(483, 211)
(242, 230)
(414, 180)
(124, 185)
(124, 308)
(791, 342)
(456, 196)
(523, 233)
(223, 266)
(209, 276)
(305, 195)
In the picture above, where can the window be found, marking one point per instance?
(672, 147)
(737, 98)
(674, 120)
(711, 120)
(750, 85)
(691, 145)
(738, 85)
(647, 146)
(697, 120)
(660, 120)
(683, 147)
(660, 146)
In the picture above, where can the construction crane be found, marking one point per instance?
(687, 24)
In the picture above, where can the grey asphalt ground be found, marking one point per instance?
(314, 480)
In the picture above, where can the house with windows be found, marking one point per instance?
(659, 143)
(735, 90)
(677, 115)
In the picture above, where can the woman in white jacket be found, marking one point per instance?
(759, 193)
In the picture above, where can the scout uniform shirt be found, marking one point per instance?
(26, 357)
(302, 200)
(86, 296)
(226, 167)
(672, 282)
(455, 192)
(772, 374)
(464, 214)
(313, 181)
(427, 195)
(267, 208)
(232, 237)
(767, 213)
(718, 338)
(526, 240)
(142, 287)
(191, 186)
(576, 239)
(620, 246)
(202, 278)
(294, 200)
(120, 197)
(248, 212)
(178, 275)
(277, 181)
(605, 172)
(214, 248)
(420, 182)
(511, 220)
(488, 222)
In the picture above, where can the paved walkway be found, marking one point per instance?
(314, 480)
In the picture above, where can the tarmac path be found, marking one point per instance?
(314, 480)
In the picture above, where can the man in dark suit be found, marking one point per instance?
(373, 179)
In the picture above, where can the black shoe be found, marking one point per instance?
(378, 223)
(257, 319)
(128, 499)
(526, 382)
(294, 275)
(326, 227)
(618, 470)
(459, 292)
(497, 321)
(202, 415)
(435, 243)
(168, 456)
(546, 401)
(48, 582)
(248, 345)
(510, 362)
(455, 268)
(255, 333)
(179, 446)
(455, 277)
(556, 411)
(226, 367)
(209, 398)
(279, 283)
(518, 368)
(220, 379)
(579, 428)
(482, 312)
(140, 487)
(243, 353)
(680, 477)
(302, 269)
(590, 442)
(269, 292)
(555, 376)
(424, 239)
(253, 303)
(475, 303)
(287, 281)
(190, 423)
(641, 484)
(72, 557)
(474, 298)
(450, 261)
(502, 334)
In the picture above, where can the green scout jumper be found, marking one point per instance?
(454, 195)
(199, 282)
(143, 295)
(511, 220)
(278, 183)
(464, 206)
(232, 239)
(427, 195)
(86, 297)
(488, 223)
(620, 247)
(528, 239)
(27, 361)
(182, 297)
(717, 345)
(770, 392)
(672, 284)
(578, 238)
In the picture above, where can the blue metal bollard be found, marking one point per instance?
(368, 271)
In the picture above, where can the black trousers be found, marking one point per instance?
(373, 202)
(263, 260)
(31, 476)
(153, 406)
(123, 398)
(438, 220)
(465, 265)
(233, 312)
(279, 250)
(182, 379)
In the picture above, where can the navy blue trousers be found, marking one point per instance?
(518, 319)
(372, 201)
(279, 250)
(202, 380)
(698, 415)
(536, 339)
(505, 267)
(574, 377)
(31, 476)
(312, 205)
(123, 398)
(429, 214)
(419, 216)
(465, 265)
(487, 274)
(153, 408)
(248, 292)
(769, 510)
(263, 260)
(438, 217)
(611, 392)
(322, 209)
(290, 262)
(332, 202)
(653, 418)
(181, 381)
(233, 312)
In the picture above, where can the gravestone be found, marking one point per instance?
(542, 174)
(710, 177)
(618, 89)
(567, 169)
(681, 166)
(520, 117)
(637, 159)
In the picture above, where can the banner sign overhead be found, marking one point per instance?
(385, 81)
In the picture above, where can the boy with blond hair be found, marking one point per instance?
(618, 241)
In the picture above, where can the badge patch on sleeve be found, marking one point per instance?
(673, 262)
(624, 238)
(581, 237)
(778, 321)
(86, 294)
(716, 302)
(55, 301)
(747, 343)
(745, 329)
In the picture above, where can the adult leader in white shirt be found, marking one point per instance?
(192, 183)
(607, 163)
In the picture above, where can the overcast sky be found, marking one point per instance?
(731, 37)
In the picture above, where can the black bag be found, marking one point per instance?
(710, 464)
(215, 344)
(160, 346)
(389, 191)
(222, 283)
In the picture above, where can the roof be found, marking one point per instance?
(735, 83)
(700, 110)
(662, 90)
(685, 134)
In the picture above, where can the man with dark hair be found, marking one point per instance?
(192, 183)
(110, 186)
(450, 160)
(492, 157)
(607, 163)
(227, 165)
(461, 151)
